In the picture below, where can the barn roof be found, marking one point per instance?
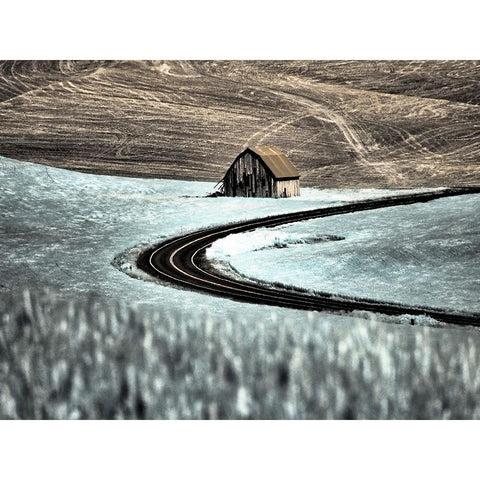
(276, 161)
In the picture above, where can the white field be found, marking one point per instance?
(62, 229)
(423, 254)
(124, 348)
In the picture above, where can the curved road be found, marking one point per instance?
(182, 261)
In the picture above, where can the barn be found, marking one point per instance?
(261, 172)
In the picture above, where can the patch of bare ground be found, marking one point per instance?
(343, 124)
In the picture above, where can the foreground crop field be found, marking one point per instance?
(343, 124)
(87, 359)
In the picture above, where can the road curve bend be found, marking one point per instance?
(181, 261)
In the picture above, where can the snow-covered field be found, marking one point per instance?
(423, 254)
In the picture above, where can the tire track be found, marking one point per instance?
(181, 261)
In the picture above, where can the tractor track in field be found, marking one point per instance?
(181, 261)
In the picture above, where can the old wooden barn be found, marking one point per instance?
(261, 172)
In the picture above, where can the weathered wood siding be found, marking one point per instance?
(249, 178)
(287, 188)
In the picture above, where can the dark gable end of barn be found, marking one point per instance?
(261, 172)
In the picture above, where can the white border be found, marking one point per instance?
(243, 30)
(250, 29)
(238, 450)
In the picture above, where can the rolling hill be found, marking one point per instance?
(343, 124)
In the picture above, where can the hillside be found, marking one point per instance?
(422, 254)
(82, 339)
(343, 124)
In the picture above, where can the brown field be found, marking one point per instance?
(342, 123)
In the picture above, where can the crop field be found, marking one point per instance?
(343, 124)
(87, 359)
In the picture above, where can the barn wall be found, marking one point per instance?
(249, 178)
(287, 188)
